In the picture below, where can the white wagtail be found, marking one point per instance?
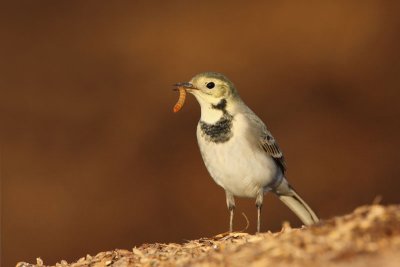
(239, 152)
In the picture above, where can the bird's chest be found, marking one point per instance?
(233, 160)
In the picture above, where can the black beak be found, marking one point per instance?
(185, 85)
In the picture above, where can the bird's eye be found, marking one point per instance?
(210, 85)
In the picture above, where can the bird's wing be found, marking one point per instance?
(266, 140)
(270, 146)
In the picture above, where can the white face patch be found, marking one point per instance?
(213, 87)
(213, 93)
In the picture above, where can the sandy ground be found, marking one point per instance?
(370, 236)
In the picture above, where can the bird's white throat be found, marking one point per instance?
(210, 115)
(209, 112)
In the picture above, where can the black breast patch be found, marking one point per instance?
(221, 131)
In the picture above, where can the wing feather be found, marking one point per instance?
(270, 146)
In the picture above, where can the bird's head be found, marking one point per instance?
(210, 88)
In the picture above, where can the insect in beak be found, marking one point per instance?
(182, 88)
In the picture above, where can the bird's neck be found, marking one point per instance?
(212, 113)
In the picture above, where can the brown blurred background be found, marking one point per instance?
(92, 157)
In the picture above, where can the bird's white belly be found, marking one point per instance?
(241, 168)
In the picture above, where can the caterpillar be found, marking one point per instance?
(181, 99)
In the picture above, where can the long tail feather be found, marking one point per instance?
(289, 196)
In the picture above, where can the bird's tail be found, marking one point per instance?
(288, 195)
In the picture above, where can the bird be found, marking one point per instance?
(238, 150)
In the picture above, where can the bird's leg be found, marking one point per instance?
(259, 202)
(230, 202)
